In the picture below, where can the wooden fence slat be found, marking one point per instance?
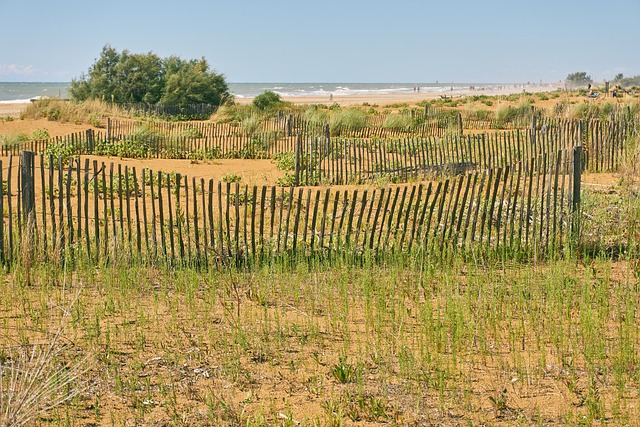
(136, 192)
(295, 223)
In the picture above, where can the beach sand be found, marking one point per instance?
(14, 110)
(410, 98)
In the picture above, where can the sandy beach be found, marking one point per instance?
(412, 97)
(14, 110)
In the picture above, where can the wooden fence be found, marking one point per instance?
(109, 213)
(337, 160)
(353, 161)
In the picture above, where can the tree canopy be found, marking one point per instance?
(577, 79)
(124, 77)
(621, 80)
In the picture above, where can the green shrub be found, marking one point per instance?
(286, 181)
(205, 154)
(60, 152)
(129, 148)
(40, 135)
(285, 161)
(267, 100)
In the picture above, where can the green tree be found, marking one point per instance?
(101, 81)
(191, 82)
(126, 77)
(140, 78)
(578, 79)
(623, 81)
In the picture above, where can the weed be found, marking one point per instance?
(344, 372)
(231, 177)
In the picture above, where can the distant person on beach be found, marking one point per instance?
(330, 97)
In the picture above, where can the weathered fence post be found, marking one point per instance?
(533, 125)
(575, 197)
(426, 110)
(460, 124)
(27, 183)
(297, 160)
(108, 129)
(28, 196)
(90, 141)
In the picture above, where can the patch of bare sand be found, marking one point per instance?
(12, 110)
(18, 126)
(600, 179)
(252, 172)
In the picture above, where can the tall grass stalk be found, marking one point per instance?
(37, 379)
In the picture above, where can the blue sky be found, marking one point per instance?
(330, 40)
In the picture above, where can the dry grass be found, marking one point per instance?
(37, 377)
(93, 113)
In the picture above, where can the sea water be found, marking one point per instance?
(251, 90)
(23, 92)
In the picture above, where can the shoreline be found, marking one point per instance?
(410, 98)
(12, 110)
(15, 109)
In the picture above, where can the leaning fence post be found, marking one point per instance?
(575, 199)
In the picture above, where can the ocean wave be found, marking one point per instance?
(347, 91)
(16, 101)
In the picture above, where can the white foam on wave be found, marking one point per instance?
(16, 101)
(344, 91)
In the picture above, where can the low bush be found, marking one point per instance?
(267, 101)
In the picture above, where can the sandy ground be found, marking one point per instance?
(252, 172)
(410, 98)
(12, 110)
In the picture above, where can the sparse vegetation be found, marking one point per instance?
(231, 177)
(431, 337)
